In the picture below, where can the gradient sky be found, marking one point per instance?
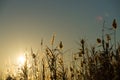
(24, 22)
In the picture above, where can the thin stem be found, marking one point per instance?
(115, 38)
(103, 35)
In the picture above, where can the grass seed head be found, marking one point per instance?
(114, 24)
(60, 45)
(33, 56)
(53, 38)
(108, 37)
(82, 41)
(41, 42)
(98, 40)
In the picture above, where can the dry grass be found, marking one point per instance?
(102, 63)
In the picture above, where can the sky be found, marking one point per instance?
(23, 23)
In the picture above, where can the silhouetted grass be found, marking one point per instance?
(87, 63)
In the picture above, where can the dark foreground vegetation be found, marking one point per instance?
(99, 62)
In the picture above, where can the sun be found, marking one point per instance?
(21, 60)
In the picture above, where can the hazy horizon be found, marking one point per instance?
(23, 23)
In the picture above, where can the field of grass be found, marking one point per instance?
(99, 62)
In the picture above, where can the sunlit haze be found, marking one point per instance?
(23, 23)
(21, 60)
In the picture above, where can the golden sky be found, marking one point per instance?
(23, 23)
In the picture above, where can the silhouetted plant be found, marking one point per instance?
(52, 55)
(99, 62)
(24, 70)
(9, 77)
(62, 71)
(43, 70)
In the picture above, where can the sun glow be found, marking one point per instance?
(21, 60)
